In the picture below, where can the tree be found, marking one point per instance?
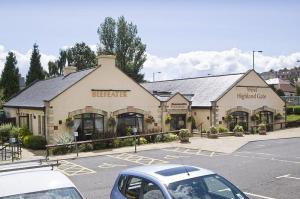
(36, 71)
(81, 56)
(297, 90)
(122, 40)
(10, 77)
(53, 69)
(280, 92)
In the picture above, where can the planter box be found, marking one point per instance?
(213, 136)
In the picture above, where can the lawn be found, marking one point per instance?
(293, 117)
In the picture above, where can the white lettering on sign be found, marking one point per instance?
(251, 93)
(109, 93)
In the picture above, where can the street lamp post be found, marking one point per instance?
(154, 75)
(253, 52)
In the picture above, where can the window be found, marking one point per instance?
(121, 183)
(43, 125)
(217, 187)
(129, 120)
(151, 191)
(39, 125)
(133, 188)
(24, 121)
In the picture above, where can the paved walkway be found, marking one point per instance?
(222, 144)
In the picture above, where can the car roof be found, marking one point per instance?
(167, 173)
(31, 180)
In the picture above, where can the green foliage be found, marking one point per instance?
(99, 145)
(116, 143)
(278, 116)
(238, 130)
(168, 119)
(193, 123)
(297, 90)
(293, 117)
(14, 132)
(293, 110)
(24, 132)
(111, 121)
(254, 117)
(297, 110)
(228, 118)
(222, 129)
(289, 110)
(7, 131)
(34, 142)
(9, 82)
(36, 71)
(64, 138)
(262, 127)
(53, 69)
(143, 140)
(81, 56)
(169, 137)
(85, 147)
(129, 131)
(120, 38)
(127, 142)
(158, 138)
(184, 135)
(213, 130)
(280, 92)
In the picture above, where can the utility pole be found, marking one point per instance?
(154, 75)
(253, 52)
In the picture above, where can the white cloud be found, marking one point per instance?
(199, 63)
(190, 64)
(24, 60)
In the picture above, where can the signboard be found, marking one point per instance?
(75, 134)
(179, 105)
(109, 93)
(251, 93)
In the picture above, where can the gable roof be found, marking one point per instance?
(45, 90)
(203, 89)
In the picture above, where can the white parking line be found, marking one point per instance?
(264, 158)
(256, 153)
(258, 196)
(288, 176)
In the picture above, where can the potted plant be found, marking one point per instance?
(213, 132)
(149, 119)
(69, 122)
(184, 135)
(238, 130)
(262, 129)
(254, 117)
(168, 119)
(228, 118)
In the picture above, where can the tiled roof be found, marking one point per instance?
(34, 95)
(203, 89)
(275, 81)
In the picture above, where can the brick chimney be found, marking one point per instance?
(106, 60)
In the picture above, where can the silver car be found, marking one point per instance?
(173, 182)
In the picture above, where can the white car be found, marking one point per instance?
(34, 180)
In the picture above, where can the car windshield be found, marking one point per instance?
(63, 193)
(205, 187)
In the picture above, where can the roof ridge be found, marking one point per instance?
(68, 74)
(195, 77)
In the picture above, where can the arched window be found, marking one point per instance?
(129, 120)
(89, 126)
(267, 118)
(240, 118)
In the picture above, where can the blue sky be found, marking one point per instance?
(169, 28)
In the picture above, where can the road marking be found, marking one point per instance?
(138, 159)
(170, 157)
(258, 196)
(212, 153)
(72, 169)
(288, 176)
(108, 165)
(263, 158)
(256, 153)
(193, 151)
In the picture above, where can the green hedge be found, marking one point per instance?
(293, 110)
(34, 142)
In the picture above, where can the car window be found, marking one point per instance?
(63, 193)
(121, 183)
(151, 191)
(216, 186)
(133, 188)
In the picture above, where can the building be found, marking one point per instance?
(214, 98)
(103, 101)
(284, 85)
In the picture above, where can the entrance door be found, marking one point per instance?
(240, 118)
(178, 122)
(129, 120)
(267, 118)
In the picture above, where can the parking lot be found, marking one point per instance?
(262, 169)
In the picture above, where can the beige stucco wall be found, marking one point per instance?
(14, 112)
(107, 76)
(200, 115)
(177, 104)
(251, 84)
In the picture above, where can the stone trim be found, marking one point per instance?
(130, 109)
(240, 109)
(264, 108)
(87, 109)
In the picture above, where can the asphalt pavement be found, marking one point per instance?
(262, 169)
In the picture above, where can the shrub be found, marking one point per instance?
(129, 131)
(222, 129)
(111, 122)
(168, 119)
(5, 132)
(297, 110)
(278, 116)
(85, 147)
(213, 132)
(228, 118)
(262, 129)
(99, 145)
(24, 132)
(127, 142)
(34, 142)
(64, 138)
(61, 150)
(169, 137)
(14, 132)
(158, 138)
(184, 135)
(254, 117)
(143, 140)
(116, 143)
(238, 130)
(289, 110)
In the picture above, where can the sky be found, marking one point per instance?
(184, 38)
